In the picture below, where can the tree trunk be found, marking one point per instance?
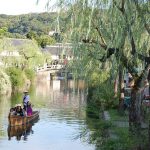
(135, 114)
(116, 87)
(148, 77)
(121, 88)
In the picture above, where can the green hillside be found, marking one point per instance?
(22, 24)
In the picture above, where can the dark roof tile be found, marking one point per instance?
(58, 50)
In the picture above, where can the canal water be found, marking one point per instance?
(62, 120)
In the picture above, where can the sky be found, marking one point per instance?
(16, 7)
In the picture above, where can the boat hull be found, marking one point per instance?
(19, 120)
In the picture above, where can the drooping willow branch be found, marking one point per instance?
(133, 46)
(119, 50)
(27, 57)
(146, 25)
(110, 51)
(103, 43)
(122, 9)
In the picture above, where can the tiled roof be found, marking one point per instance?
(58, 49)
(18, 42)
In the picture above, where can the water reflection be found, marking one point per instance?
(21, 132)
(62, 94)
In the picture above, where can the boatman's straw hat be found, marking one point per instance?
(18, 105)
(25, 92)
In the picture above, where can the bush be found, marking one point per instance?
(17, 77)
(98, 78)
(100, 93)
(30, 74)
(5, 84)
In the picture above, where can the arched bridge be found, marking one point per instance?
(53, 68)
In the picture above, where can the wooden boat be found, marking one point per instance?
(22, 131)
(19, 120)
(19, 131)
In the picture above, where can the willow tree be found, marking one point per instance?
(111, 31)
(31, 56)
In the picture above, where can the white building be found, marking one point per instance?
(7, 53)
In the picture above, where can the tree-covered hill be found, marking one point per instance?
(22, 24)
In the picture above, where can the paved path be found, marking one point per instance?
(106, 115)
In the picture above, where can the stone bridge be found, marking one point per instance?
(52, 68)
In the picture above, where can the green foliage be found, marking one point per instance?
(99, 25)
(6, 44)
(30, 54)
(34, 25)
(15, 35)
(102, 95)
(47, 57)
(30, 74)
(45, 40)
(116, 115)
(17, 77)
(5, 84)
(39, 23)
(42, 40)
(98, 131)
(31, 35)
(98, 78)
(3, 31)
(113, 144)
(101, 90)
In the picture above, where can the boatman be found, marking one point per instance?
(26, 99)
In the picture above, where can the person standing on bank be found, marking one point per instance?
(26, 99)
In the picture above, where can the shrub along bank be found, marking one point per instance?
(5, 83)
(20, 71)
(14, 79)
(100, 93)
